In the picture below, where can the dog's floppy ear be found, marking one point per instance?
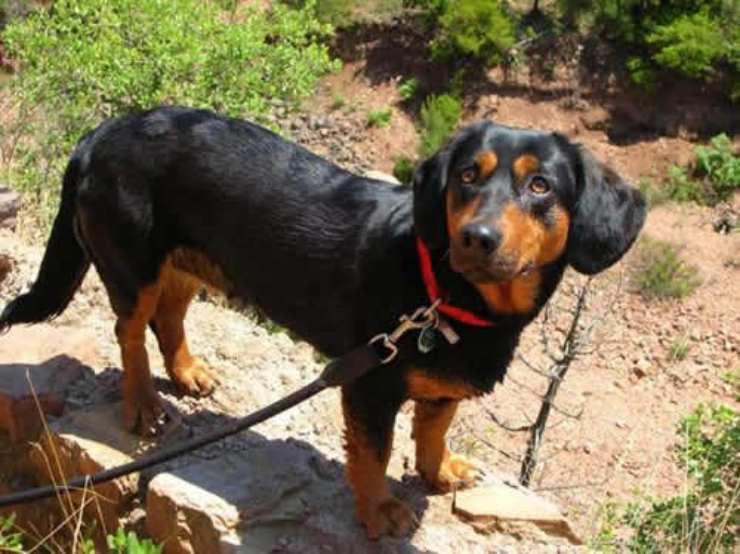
(608, 216)
(430, 181)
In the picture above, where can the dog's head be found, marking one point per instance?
(508, 201)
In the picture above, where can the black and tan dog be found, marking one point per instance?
(164, 201)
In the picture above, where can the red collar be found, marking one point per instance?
(434, 292)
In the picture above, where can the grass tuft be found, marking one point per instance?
(661, 273)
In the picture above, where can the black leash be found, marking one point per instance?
(338, 372)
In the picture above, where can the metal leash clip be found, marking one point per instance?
(422, 318)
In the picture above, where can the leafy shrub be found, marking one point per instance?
(720, 166)
(661, 273)
(379, 118)
(689, 44)
(10, 540)
(85, 60)
(695, 38)
(439, 117)
(479, 29)
(403, 169)
(129, 543)
(707, 517)
(681, 187)
(408, 89)
(714, 177)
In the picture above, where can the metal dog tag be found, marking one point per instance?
(427, 339)
(447, 331)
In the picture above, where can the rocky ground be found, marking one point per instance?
(612, 435)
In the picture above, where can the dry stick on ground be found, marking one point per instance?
(570, 350)
(574, 342)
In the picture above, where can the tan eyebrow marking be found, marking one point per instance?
(487, 162)
(525, 164)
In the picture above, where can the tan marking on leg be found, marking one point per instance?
(377, 509)
(439, 467)
(188, 372)
(142, 407)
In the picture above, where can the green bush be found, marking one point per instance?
(720, 165)
(408, 89)
(403, 169)
(380, 118)
(85, 60)
(439, 117)
(714, 176)
(689, 44)
(706, 518)
(661, 273)
(681, 187)
(479, 29)
(695, 38)
(129, 543)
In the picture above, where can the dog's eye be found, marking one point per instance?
(469, 175)
(539, 186)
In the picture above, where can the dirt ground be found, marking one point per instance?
(612, 436)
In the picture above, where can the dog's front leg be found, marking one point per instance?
(442, 469)
(369, 416)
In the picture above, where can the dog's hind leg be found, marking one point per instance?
(143, 410)
(120, 244)
(189, 373)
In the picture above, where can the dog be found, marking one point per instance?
(165, 201)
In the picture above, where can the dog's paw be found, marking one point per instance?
(194, 378)
(389, 517)
(455, 472)
(148, 415)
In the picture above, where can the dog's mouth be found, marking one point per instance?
(496, 271)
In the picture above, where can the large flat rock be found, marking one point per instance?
(499, 502)
(86, 442)
(44, 361)
(286, 496)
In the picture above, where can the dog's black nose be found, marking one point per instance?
(482, 238)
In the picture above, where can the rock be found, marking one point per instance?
(6, 265)
(207, 507)
(285, 496)
(35, 353)
(380, 176)
(499, 502)
(86, 442)
(10, 203)
(641, 368)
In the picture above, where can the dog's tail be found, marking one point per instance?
(62, 269)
